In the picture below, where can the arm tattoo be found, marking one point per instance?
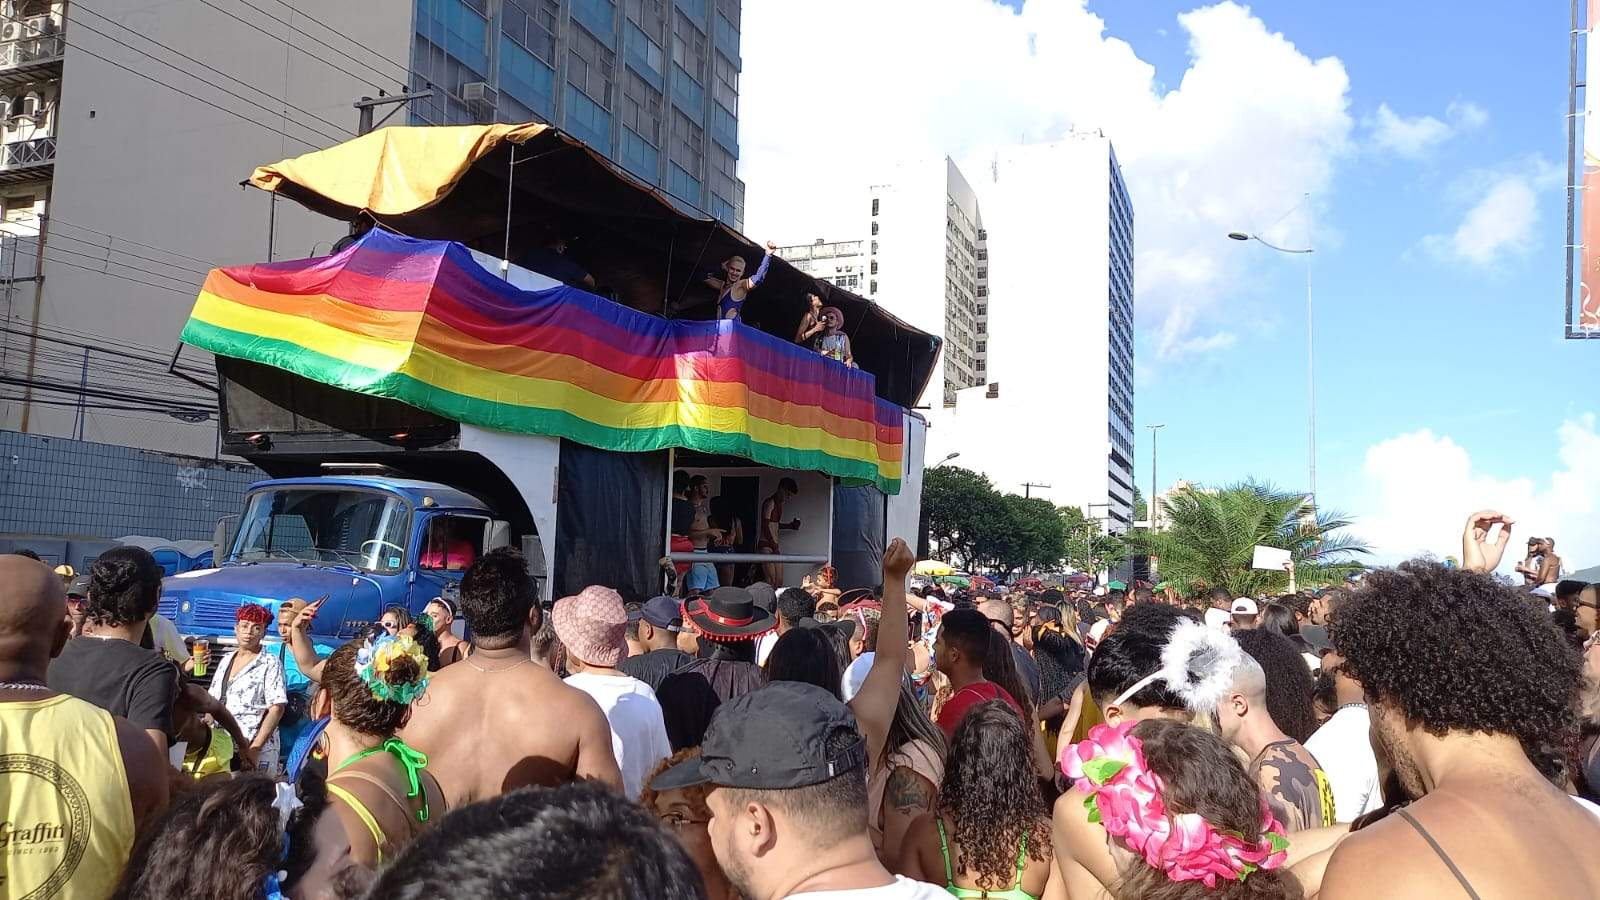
(907, 791)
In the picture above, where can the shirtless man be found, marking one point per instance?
(772, 523)
(702, 577)
(1542, 566)
(1485, 823)
(498, 721)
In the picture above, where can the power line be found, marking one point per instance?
(318, 132)
(54, 243)
(237, 115)
(132, 268)
(285, 41)
(345, 133)
(53, 219)
(184, 292)
(347, 37)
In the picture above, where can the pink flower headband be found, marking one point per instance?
(1125, 797)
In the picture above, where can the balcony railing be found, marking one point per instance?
(36, 152)
(31, 50)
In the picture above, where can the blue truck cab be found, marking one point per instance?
(366, 543)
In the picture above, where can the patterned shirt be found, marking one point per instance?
(1294, 784)
(250, 693)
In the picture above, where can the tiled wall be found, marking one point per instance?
(57, 486)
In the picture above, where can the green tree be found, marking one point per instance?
(1088, 547)
(1209, 537)
(961, 508)
(1032, 537)
(1139, 511)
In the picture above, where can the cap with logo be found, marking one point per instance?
(773, 738)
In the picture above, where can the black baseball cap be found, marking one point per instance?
(773, 738)
(764, 596)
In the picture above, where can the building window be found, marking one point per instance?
(649, 15)
(641, 109)
(983, 273)
(983, 255)
(532, 23)
(725, 87)
(874, 227)
(874, 246)
(983, 291)
(874, 205)
(874, 269)
(589, 66)
(983, 234)
(688, 144)
(873, 287)
(689, 50)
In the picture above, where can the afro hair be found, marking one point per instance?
(1458, 651)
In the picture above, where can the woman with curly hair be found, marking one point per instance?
(989, 835)
(1289, 683)
(1183, 819)
(684, 812)
(232, 838)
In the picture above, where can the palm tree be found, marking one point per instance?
(1209, 537)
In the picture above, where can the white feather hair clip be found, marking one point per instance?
(1197, 664)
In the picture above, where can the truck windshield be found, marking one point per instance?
(363, 529)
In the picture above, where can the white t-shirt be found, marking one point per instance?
(638, 732)
(764, 645)
(1344, 751)
(165, 636)
(903, 888)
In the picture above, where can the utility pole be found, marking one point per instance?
(1028, 486)
(366, 105)
(1150, 504)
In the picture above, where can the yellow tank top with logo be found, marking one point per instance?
(66, 821)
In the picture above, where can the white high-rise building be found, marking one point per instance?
(1058, 412)
(840, 263)
(928, 264)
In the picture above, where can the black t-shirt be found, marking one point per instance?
(121, 678)
(654, 666)
(682, 516)
(1026, 668)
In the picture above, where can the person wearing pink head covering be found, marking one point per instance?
(593, 627)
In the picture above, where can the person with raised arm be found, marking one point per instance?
(732, 288)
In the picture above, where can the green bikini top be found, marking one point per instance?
(1015, 892)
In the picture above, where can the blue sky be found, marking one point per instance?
(1406, 339)
(1434, 141)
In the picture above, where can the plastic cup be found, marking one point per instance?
(202, 656)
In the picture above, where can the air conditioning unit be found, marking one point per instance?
(479, 92)
(11, 31)
(41, 25)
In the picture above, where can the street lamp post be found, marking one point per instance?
(945, 460)
(1311, 367)
(1150, 505)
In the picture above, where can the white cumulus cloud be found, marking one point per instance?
(1417, 136)
(1421, 486)
(1501, 211)
(1252, 124)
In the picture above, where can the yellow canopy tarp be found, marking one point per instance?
(393, 171)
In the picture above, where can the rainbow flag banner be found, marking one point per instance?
(421, 322)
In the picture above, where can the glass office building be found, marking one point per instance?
(652, 84)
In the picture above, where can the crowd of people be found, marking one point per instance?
(1430, 731)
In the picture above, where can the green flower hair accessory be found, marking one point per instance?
(374, 660)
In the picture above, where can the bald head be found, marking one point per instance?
(997, 610)
(33, 614)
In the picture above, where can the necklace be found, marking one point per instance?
(23, 686)
(468, 660)
(1351, 706)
